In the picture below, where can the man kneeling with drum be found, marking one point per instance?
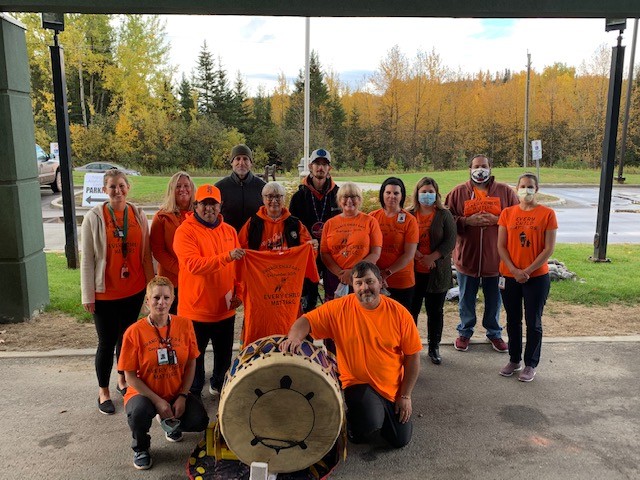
(378, 348)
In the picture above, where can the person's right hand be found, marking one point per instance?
(290, 346)
(163, 408)
(236, 254)
(520, 276)
(479, 219)
(89, 307)
(345, 276)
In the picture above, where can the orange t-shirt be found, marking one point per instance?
(117, 286)
(349, 240)
(482, 203)
(525, 236)
(371, 344)
(396, 231)
(424, 241)
(271, 285)
(139, 354)
(273, 232)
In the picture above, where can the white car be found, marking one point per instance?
(101, 167)
(48, 170)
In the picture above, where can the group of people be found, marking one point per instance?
(208, 241)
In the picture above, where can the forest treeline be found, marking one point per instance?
(126, 106)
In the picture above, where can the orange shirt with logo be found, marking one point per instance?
(271, 286)
(371, 344)
(525, 236)
(396, 231)
(349, 239)
(273, 233)
(424, 239)
(481, 202)
(116, 285)
(139, 354)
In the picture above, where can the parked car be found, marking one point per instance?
(101, 167)
(48, 170)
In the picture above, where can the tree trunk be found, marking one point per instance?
(83, 106)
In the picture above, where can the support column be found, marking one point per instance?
(24, 289)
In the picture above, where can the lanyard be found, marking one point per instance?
(319, 218)
(122, 233)
(164, 341)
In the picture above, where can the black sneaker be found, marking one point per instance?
(107, 407)
(175, 436)
(142, 460)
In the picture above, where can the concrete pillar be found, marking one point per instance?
(24, 289)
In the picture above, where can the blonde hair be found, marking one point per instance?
(169, 202)
(114, 173)
(159, 281)
(348, 189)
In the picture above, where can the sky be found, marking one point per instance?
(262, 47)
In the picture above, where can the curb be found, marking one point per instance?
(82, 352)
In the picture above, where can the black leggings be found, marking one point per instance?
(433, 304)
(112, 318)
(221, 336)
(369, 412)
(403, 296)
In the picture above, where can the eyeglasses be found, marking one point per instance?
(271, 198)
(352, 197)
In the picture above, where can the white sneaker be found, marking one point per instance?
(215, 393)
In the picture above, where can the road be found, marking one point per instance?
(576, 215)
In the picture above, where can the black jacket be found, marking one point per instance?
(312, 206)
(240, 198)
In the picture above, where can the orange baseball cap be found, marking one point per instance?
(208, 191)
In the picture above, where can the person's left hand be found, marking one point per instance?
(235, 302)
(179, 406)
(403, 409)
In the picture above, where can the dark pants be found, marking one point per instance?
(112, 318)
(221, 336)
(369, 412)
(140, 413)
(534, 293)
(174, 306)
(433, 304)
(404, 296)
(330, 283)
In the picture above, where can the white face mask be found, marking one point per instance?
(526, 193)
(427, 198)
(480, 175)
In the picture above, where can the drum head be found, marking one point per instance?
(283, 411)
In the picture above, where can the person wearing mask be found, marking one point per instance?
(314, 203)
(242, 190)
(206, 248)
(115, 268)
(399, 241)
(176, 206)
(476, 206)
(432, 260)
(526, 240)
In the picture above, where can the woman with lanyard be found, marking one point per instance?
(399, 241)
(437, 240)
(115, 268)
(159, 359)
(526, 240)
(177, 204)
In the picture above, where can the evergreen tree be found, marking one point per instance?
(264, 132)
(205, 81)
(239, 110)
(222, 96)
(187, 104)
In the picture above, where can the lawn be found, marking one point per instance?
(150, 189)
(598, 284)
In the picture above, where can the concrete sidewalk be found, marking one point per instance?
(578, 419)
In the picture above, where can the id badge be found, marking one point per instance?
(173, 359)
(402, 217)
(501, 282)
(163, 356)
(118, 233)
(124, 272)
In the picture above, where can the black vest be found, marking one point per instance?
(291, 232)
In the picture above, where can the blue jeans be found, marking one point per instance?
(467, 305)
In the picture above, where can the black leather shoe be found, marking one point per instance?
(434, 355)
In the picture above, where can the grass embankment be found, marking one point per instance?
(598, 284)
(148, 190)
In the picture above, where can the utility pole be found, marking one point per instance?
(627, 107)
(525, 147)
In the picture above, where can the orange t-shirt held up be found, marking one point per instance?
(349, 239)
(396, 231)
(371, 344)
(525, 236)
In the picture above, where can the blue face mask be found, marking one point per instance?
(427, 199)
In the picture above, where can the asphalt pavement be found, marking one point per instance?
(578, 419)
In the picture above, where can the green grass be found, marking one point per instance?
(64, 288)
(617, 282)
(598, 284)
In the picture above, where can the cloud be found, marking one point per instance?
(495, 28)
